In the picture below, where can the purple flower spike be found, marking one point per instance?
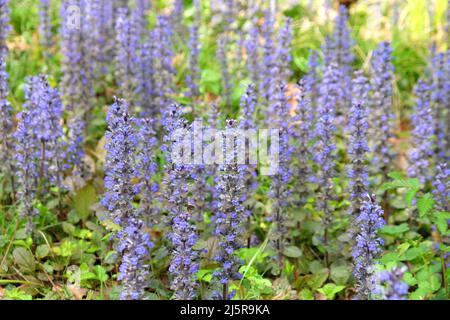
(422, 134)
(324, 155)
(184, 263)
(120, 172)
(368, 246)
(6, 125)
(4, 26)
(229, 214)
(441, 186)
(280, 190)
(381, 115)
(304, 116)
(45, 28)
(358, 148)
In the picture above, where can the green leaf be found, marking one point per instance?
(394, 230)
(102, 276)
(330, 290)
(16, 294)
(315, 281)
(409, 279)
(425, 204)
(68, 228)
(111, 257)
(440, 219)
(389, 257)
(401, 183)
(24, 260)
(83, 201)
(204, 275)
(42, 251)
(428, 280)
(292, 252)
(419, 294)
(21, 234)
(396, 175)
(305, 294)
(412, 254)
(410, 195)
(339, 274)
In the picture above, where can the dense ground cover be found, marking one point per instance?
(96, 98)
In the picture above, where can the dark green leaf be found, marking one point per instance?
(394, 230)
(24, 260)
(83, 201)
(292, 252)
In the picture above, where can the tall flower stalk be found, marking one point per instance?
(101, 37)
(74, 152)
(6, 127)
(4, 26)
(312, 82)
(368, 246)
(184, 262)
(229, 213)
(248, 171)
(280, 190)
(126, 59)
(283, 52)
(253, 51)
(330, 93)
(45, 27)
(38, 145)
(120, 171)
(222, 47)
(441, 186)
(381, 118)
(268, 67)
(163, 77)
(76, 82)
(358, 147)
(304, 133)
(27, 168)
(193, 77)
(45, 108)
(422, 134)
(438, 104)
(147, 166)
(342, 56)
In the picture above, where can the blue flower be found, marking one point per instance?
(422, 134)
(368, 245)
(6, 125)
(184, 263)
(358, 147)
(45, 28)
(229, 214)
(4, 26)
(76, 82)
(280, 191)
(390, 286)
(441, 186)
(381, 116)
(120, 171)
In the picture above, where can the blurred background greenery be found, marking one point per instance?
(412, 26)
